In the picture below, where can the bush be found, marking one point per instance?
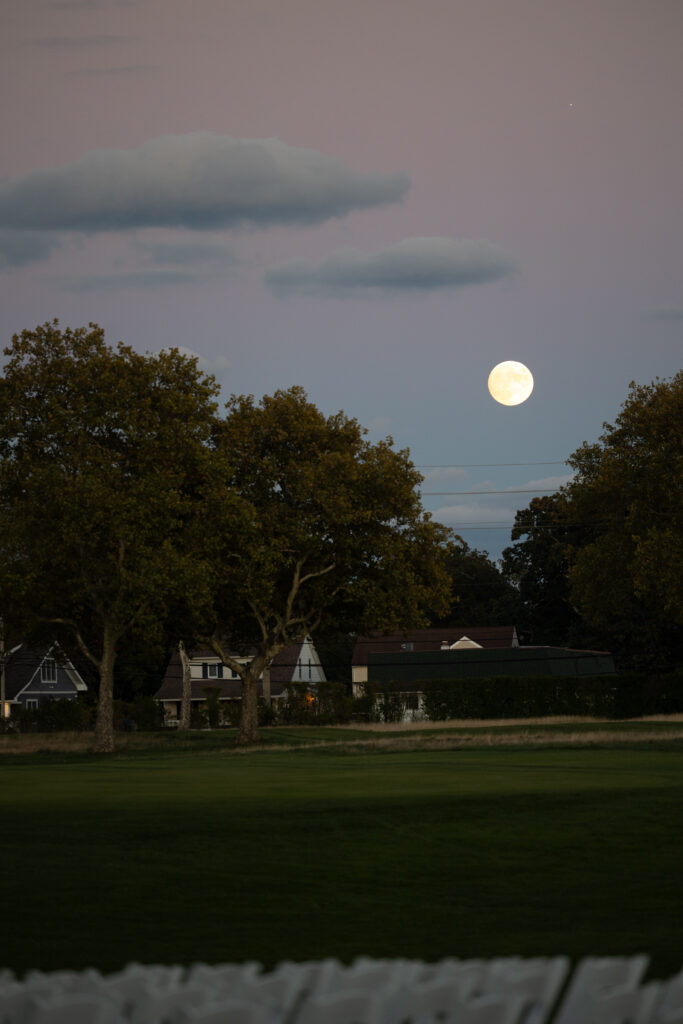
(63, 715)
(143, 713)
(615, 696)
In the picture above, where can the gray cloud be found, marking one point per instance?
(17, 248)
(195, 181)
(415, 265)
(129, 279)
(189, 253)
(665, 313)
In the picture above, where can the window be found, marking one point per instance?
(407, 645)
(48, 671)
(212, 670)
(31, 704)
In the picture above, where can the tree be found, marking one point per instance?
(537, 565)
(105, 455)
(481, 595)
(332, 536)
(626, 577)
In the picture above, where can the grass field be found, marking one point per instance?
(204, 854)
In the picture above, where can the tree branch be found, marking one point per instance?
(79, 640)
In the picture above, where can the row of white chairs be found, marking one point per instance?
(509, 990)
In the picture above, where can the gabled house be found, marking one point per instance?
(36, 675)
(297, 663)
(398, 663)
(420, 641)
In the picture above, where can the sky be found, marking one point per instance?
(378, 200)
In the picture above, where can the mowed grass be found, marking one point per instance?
(308, 853)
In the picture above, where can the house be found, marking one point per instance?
(398, 662)
(422, 641)
(297, 663)
(34, 675)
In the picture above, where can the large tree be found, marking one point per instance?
(333, 537)
(105, 455)
(626, 577)
(481, 594)
(536, 563)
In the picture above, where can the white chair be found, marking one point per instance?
(670, 1006)
(439, 999)
(157, 1006)
(223, 975)
(77, 1009)
(625, 1006)
(595, 976)
(491, 1010)
(347, 1007)
(538, 980)
(226, 1012)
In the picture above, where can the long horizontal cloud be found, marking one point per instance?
(17, 248)
(415, 264)
(200, 180)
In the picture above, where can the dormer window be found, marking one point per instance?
(48, 671)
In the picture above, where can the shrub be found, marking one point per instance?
(613, 696)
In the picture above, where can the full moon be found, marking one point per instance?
(510, 383)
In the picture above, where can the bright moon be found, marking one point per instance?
(510, 383)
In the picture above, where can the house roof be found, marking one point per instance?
(281, 672)
(23, 662)
(431, 640)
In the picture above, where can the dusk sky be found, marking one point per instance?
(376, 200)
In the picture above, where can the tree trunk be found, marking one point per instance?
(186, 705)
(104, 723)
(248, 730)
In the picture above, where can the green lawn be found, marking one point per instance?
(309, 853)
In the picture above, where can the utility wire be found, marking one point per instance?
(484, 465)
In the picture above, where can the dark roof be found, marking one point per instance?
(281, 672)
(430, 640)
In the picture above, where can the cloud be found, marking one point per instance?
(129, 279)
(218, 366)
(414, 265)
(665, 313)
(190, 252)
(200, 180)
(17, 248)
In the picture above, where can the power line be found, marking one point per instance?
(484, 465)
(527, 490)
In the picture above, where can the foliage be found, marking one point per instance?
(329, 703)
(481, 594)
(103, 455)
(537, 565)
(62, 715)
(626, 578)
(332, 535)
(612, 696)
(598, 563)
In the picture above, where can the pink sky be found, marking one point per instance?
(551, 130)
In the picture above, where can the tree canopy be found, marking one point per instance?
(626, 576)
(103, 455)
(601, 559)
(332, 535)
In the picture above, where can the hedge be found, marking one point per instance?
(616, 696)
